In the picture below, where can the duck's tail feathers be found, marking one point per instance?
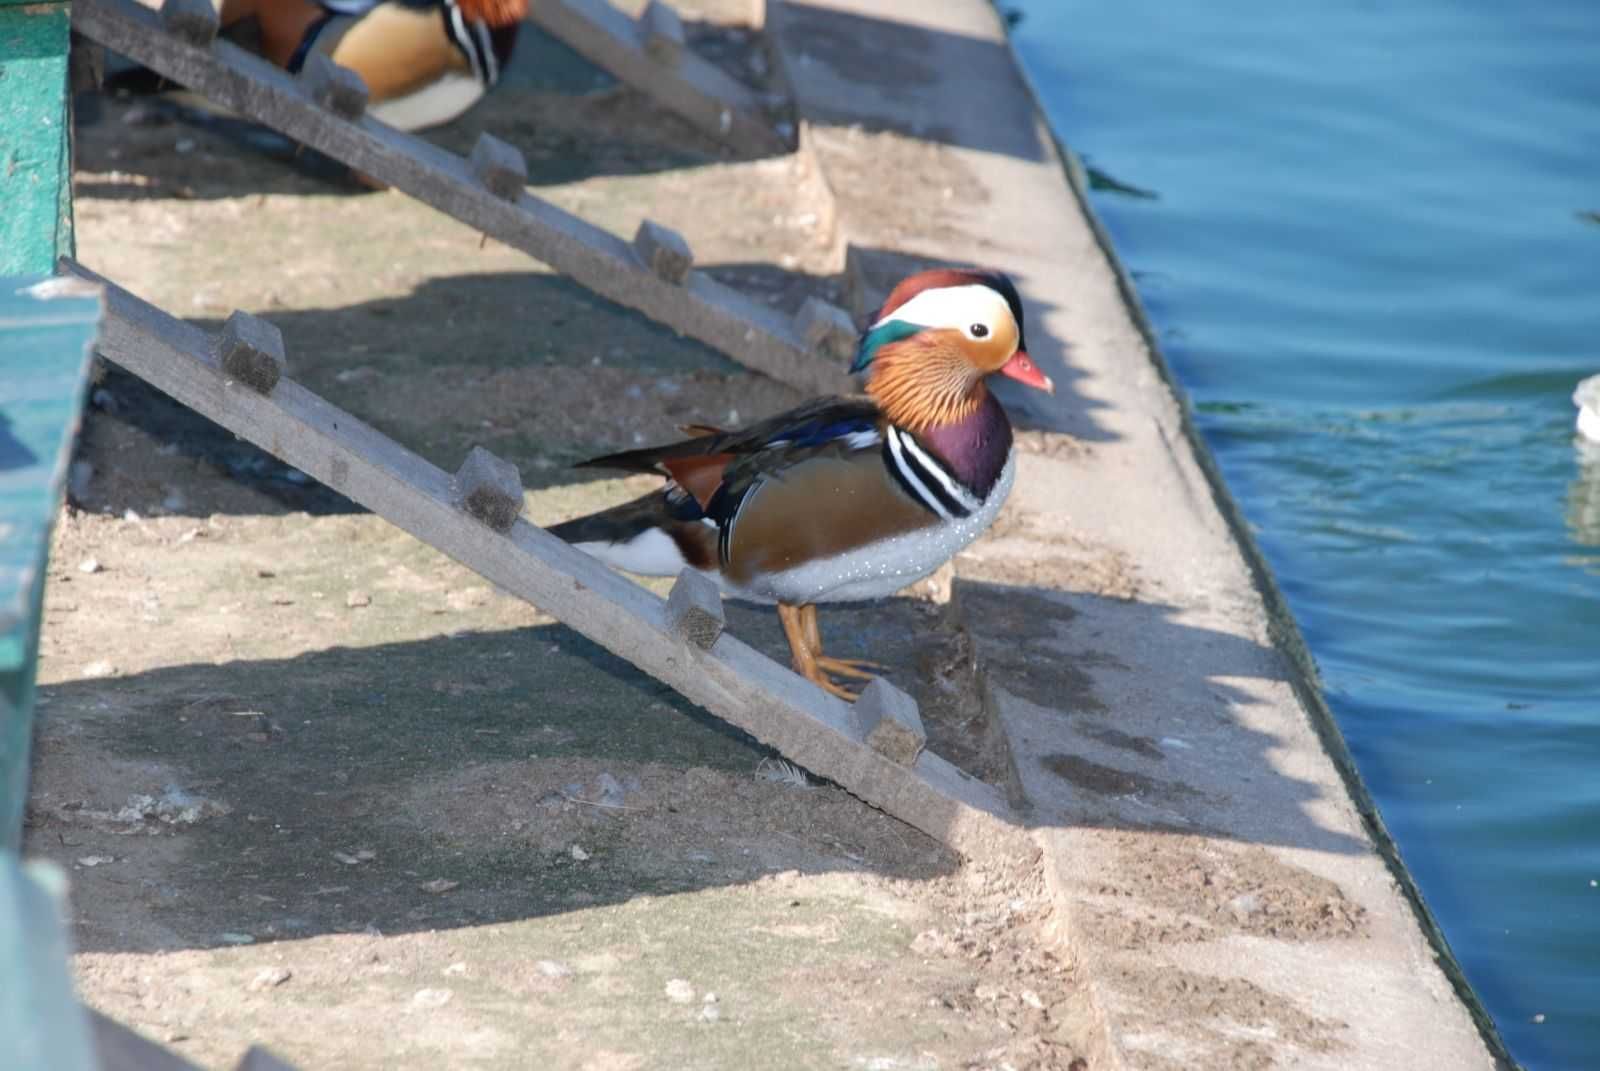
(651, 458)
(644, 536)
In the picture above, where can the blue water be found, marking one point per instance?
(1364, 233)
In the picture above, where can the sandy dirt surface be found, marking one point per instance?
(319, 787)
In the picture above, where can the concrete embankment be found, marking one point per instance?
(1220, 895)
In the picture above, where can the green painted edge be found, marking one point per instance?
(35, 138)
(67, 313)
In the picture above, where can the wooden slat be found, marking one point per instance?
(694, 610)
(731, 680)
(673, 76)
(489, 488)
(889, 720)
(664, 251)
(702, 308)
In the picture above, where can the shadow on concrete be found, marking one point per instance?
(133, 152)
(474, 757)
(570, 119)
(477, 758)
(522, 363)
(855, 70)
(1126, 737)
(510, 361)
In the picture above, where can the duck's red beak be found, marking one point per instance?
(1022, 369)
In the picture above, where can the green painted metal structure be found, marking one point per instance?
(47, 330)
(35, 138)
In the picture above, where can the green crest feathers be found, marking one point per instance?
(881, 336)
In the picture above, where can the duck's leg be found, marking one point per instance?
(805, 660)
(859, 668)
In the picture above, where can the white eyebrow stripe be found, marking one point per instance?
(937, 470)
(950, 306)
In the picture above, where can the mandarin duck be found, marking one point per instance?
(844, 498)
(1587, 398)
(424, 61)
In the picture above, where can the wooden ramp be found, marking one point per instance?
(324, 107)
(649, 53)
(874, 749)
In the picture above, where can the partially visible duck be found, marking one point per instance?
(424, 61)
(1587, 399)
(844, 498)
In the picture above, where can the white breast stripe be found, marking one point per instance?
(725, 537)
(489, 58)
(909, 474)
(937, 471)
(459, 28)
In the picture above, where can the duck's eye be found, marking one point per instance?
(979, 330)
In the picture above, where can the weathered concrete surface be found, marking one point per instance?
(1216, 886)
